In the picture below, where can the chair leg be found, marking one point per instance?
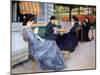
(66, 54)
(34, 66)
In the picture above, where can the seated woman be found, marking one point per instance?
(69, 40)
(86, 27)
(50, 33)
(46, 52)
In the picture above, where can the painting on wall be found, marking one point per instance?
(52, 37)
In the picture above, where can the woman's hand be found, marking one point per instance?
(55, 30)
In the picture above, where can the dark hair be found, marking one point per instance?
(28, 17)
(52, 18)
(75, 18)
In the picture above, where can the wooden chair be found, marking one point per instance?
(34, 63)
(66, 54)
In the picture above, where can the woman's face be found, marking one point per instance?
(30, 23)
(53, 21)
(72, 20)
(86, 19)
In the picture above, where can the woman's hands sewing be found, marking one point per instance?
(59, 31)
(62, 31)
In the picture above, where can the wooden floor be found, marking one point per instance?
(82, 58)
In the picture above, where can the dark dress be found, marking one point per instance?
(80, 34)
(50, 32)
(69, 40)
(86, 28)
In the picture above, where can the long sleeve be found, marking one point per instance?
(28, 35)
(50, 32)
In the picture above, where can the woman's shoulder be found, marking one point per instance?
(27, 29)
(76, 24)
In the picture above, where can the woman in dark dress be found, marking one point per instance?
(49, 34)
(69, 40)
(86, 27)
